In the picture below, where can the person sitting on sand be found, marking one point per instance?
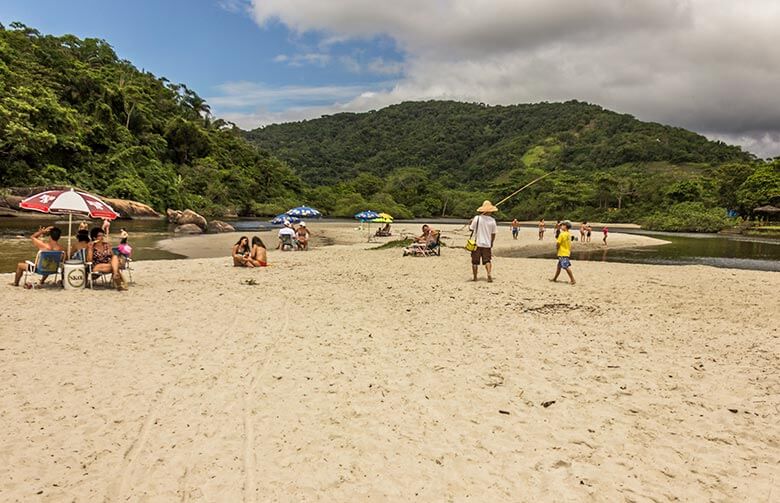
(302, 236)
(52, 244)
(241, 253)
(259, 255)
(103, 259)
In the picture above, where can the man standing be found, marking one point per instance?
(53, 244)
(515, 228)
(483, 228)
(563, 248)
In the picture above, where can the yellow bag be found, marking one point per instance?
(471, 243)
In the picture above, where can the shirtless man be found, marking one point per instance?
(541, 229)
(52, 244)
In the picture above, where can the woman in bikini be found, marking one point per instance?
(259, 255)
(241, 252)
(103, 260)
(302, 236)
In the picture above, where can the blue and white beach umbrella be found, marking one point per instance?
(304, 212)
(367, 215)
(284, 218)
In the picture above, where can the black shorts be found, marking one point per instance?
(486, 254)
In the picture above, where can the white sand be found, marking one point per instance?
(349, 375)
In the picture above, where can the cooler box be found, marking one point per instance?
(74, 275)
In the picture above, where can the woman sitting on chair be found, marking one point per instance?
(241, 252)
(259, 255)
(101, 257)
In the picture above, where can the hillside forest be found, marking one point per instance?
(73, 113)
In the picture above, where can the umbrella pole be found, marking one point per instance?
(70, 223)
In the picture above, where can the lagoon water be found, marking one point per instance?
(706, 249)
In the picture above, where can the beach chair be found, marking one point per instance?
(433, 248)
(288, 243)
(426, 249)
(105, 278)
(47, 263)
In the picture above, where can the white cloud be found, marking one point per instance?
(235, 6)
(708, 65)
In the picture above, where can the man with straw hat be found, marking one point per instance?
(483, 228)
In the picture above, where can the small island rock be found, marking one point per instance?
(188, 229)
(217, 226)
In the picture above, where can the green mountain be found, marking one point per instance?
(442, 157)
(73, 113)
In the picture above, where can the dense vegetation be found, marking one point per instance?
(72, 113)
(443, 158)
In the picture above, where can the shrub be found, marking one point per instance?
(689, 216)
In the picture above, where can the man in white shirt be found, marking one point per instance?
(483, 227)
(287, 230)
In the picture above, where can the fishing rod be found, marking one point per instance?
(513, 194)
(510, 196)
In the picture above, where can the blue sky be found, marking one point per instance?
(711, 66)
(215, 45)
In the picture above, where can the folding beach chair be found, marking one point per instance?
(47, 263)
(288, 243)
(105, 278)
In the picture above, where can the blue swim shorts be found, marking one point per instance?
(564, 262)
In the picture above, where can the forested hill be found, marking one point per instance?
(72, 112)
(477, 142)
(443, 157)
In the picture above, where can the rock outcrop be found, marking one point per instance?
(217, 226)
(11, 197)
(188, 229)
(186, 217)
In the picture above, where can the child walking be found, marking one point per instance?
(563, 248)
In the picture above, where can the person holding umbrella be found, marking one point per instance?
(53, 244)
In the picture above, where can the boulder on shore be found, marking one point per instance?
(217, 226)
(188, 229)
(186, 217)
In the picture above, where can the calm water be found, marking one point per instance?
(738, 252)
(707, 249)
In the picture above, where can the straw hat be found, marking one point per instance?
(487, 207)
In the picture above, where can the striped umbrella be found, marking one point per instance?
(70, 202)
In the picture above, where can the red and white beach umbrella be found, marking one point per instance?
(69, 202)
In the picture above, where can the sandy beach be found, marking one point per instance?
(350, 374)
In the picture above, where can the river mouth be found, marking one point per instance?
(727, 251)
(716, 250)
